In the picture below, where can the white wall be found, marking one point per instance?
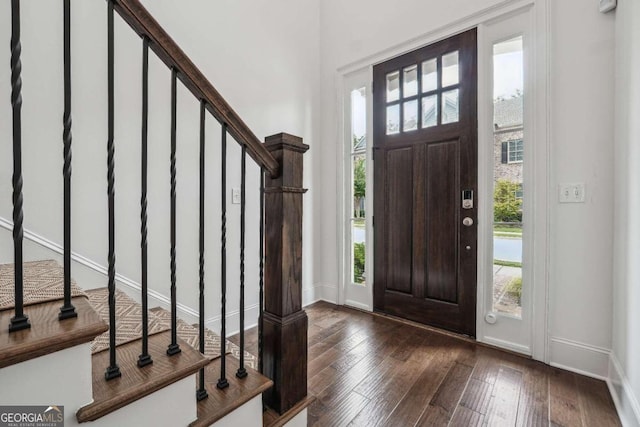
(580, 290)
(262, 56)
(625, 370)
(581, 78)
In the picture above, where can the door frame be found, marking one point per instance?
(540, 127)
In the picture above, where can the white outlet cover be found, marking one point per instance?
(607, 5)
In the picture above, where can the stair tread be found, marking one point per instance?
(47, 334)
(136, 382)
(222, 402)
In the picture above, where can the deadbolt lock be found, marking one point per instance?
(467, 199)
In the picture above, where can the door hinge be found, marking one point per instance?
(372, 87)
(373, 220)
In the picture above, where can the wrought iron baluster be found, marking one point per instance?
(144, 359)
(19, 321)
(67, 311)
(261, 277)
(113, 371)
(242, 372)
(222, 381)
(202, 392)
(174, 347)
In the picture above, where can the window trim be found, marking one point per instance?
(350, 293)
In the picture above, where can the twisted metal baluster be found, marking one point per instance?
(174, 347)
(19, 321)
(261, 282)
(144, 359)
(222, 381)
(242, 372)
(202, 392)
(67, 311)
(112, 371)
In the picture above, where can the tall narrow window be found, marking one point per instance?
(508, 120)
(358, 184)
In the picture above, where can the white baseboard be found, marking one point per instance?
(522, 349)
(358, 305)
(133, 288)
(583, 359)
(328, 293)
(623, 396)
(310, 295)
(319, 292)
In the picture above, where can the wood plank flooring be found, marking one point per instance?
(367, 370)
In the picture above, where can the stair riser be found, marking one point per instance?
(60, 378)
(174, 405)
(299, 420)
(248, 415)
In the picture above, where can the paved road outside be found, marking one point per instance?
(507, 249)
(504, 248)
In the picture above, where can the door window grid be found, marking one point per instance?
(357, 160)
(427, 101)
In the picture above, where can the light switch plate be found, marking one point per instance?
(235, 196)
(607, 5)
(571, 193)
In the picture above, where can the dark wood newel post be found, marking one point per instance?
(284, 321)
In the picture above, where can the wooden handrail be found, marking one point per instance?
(141, 21)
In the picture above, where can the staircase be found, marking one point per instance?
(101, 355)
(43, 295)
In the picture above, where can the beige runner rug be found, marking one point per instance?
(43, 282)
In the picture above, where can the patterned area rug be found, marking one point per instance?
(249, 359)
(190, 334)
(129, 326)
(128, 319)
(43, 282)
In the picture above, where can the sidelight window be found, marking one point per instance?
(358, 175)
(508, 125)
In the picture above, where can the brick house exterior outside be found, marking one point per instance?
(508, 128)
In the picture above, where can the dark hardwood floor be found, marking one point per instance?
(367, 370)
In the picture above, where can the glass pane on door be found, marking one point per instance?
(393, 86)
(410, 81)
(430, 75)
(450, 70)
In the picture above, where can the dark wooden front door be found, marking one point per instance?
(425, 156)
